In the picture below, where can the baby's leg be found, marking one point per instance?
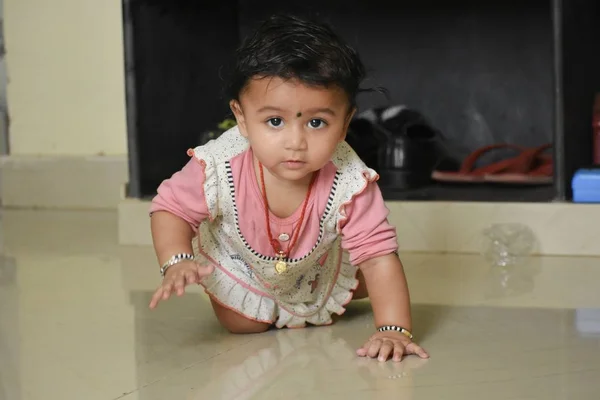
(237, 323)
(361, 291)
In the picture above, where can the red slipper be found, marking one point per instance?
(468, 174)
(531, 167)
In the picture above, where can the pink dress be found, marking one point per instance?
(345, 224)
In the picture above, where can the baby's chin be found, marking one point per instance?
(297, 175)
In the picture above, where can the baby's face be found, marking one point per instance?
(293, 129)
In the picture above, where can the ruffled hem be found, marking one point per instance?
(210, 186)
(346, 159)
(340, 295)
(257, 306)
(209, 156)
(369, 176)
(239, 297)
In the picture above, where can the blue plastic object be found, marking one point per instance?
(586, 186)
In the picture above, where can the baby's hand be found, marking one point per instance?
(390, 343)
(178, 277)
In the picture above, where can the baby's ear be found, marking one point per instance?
(236, 109)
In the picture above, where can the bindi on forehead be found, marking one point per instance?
(298, 115)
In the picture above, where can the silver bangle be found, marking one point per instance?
(400, 329)
(176, 259)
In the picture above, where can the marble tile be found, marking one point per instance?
(419, 226)
(74, 324)
(456, 227)
(559, 228)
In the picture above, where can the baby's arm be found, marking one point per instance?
(176, 211)
(372, 244)
(388, 291)
(171, 235)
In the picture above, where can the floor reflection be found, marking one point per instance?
(75, 324)
(512, 280)
(10, 380)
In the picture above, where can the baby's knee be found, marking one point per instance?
(237, 323)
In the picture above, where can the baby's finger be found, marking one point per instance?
(414, 348)
(180, 284)
(386, 349)
(204, 270)
(398, 352)
(374, 348)
(362, 352)
(167, 288)
(156, 298)
(191, 277)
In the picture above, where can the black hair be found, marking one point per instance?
(289, 47)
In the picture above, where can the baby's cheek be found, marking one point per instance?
(323, 152)
(265, 156)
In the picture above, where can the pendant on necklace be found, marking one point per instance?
(281, 265)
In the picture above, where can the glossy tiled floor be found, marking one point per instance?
(74, 324)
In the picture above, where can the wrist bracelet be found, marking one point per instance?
(176, 259)
(400, 329)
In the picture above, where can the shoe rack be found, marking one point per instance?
(482, 72)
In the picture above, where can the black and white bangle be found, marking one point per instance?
(176, 259)
(397, 329)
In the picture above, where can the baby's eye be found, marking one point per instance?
(275, 122)
(316, 123)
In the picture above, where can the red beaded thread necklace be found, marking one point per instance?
(281, 264)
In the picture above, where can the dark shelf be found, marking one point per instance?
(483, 73)
(473, 192)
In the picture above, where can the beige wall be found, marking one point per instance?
(66, 78)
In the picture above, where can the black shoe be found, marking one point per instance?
(400, 144)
